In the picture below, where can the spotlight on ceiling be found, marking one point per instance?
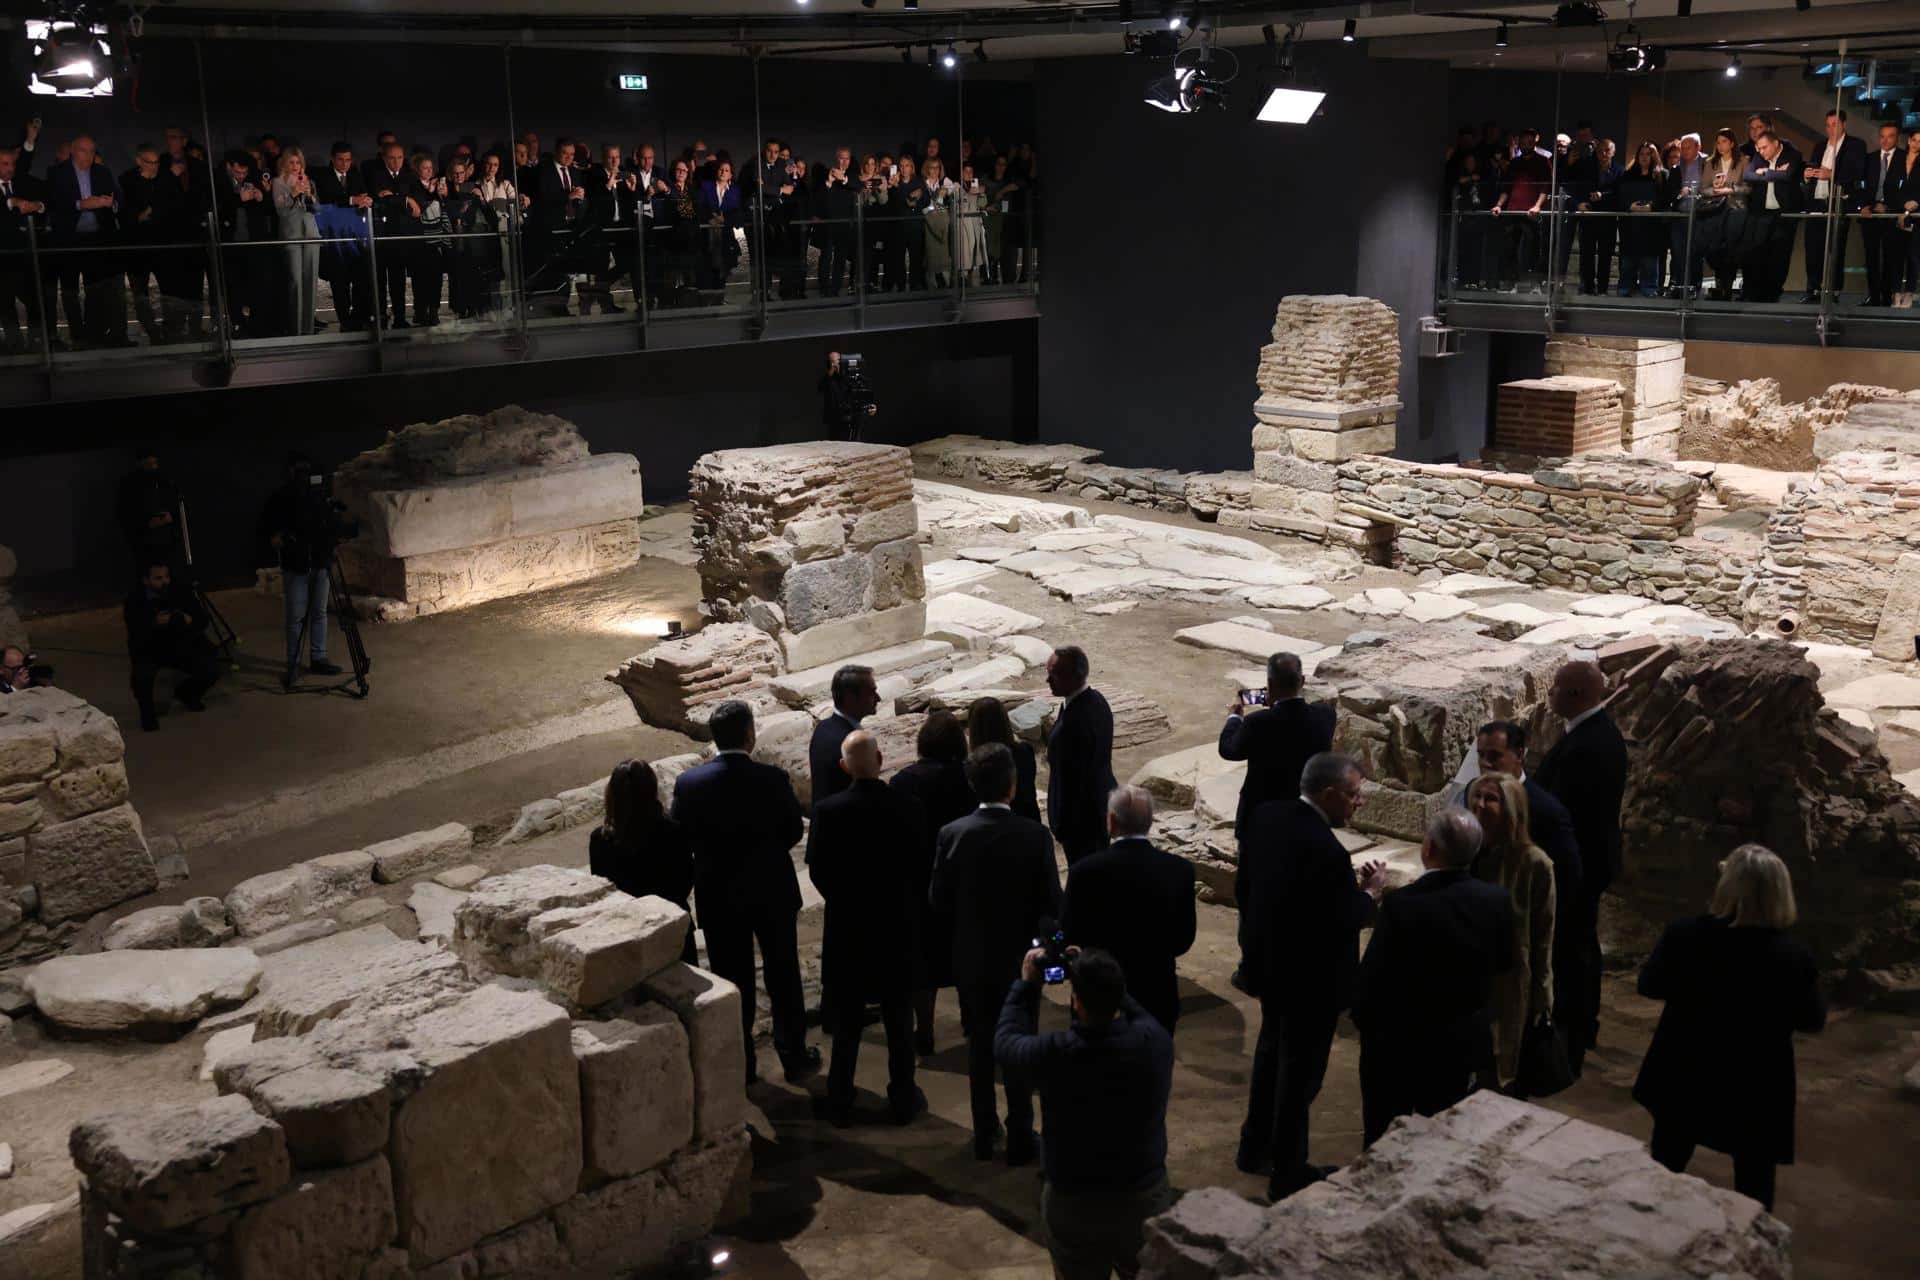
(1803, 5)
(1347, 32)
(980, 51)
(70, 60)
(1686, 8)
(949, 59)
(1500, 36)
(906, 54)
(931, 57)
(868, 4)
(1282, 98)
(1175, 22)
(1632, 56)
(1733, 66)
(1186, 90)
(913, 4)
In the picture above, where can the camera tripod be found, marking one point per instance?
(224, 636)
(340, 605)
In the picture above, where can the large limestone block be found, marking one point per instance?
(162, 1168)
(366, 968)
(594, 953)
(1175, 779)
(470, 511)
(708, 1006)
(636, 1090)
(823, 590)
(326, 1226)
(491, 928)
(804, 688)
(90, 863)
(127, 990)
(844, 637)
(331, 1116)
(1900, 613)
(897, 574)
(492, 1135)
(976, 614)
(1239, 638)
(27, 750)
(1489, 1188)
(621, 1228)
(417, 851)
(711, 1182)
(198, 922)
(888, 524)
(82, 791)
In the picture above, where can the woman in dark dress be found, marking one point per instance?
(1720, 1068)
(987, 721)
(937, 782)
(1641, 237)
(639, 847)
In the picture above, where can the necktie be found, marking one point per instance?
(6, 192)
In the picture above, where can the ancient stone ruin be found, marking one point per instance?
(70, 841)
(1556, 417)
(476, 507)
(1489, 1188)
(1731, 742)
(558, 1094)
(1651, 375)
(1747, 422)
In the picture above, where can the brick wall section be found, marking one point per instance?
(1557, 417)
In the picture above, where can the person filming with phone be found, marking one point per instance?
(1103, 1087)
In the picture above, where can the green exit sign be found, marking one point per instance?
(632, 84)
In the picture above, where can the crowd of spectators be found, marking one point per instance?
(1687, 215)
(405, 236)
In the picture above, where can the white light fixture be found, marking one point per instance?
(1288, 105)
(1500, 37)
(1733, 66)
(69, 60)
(1176, 22)
(949, 59)
(1348, 32)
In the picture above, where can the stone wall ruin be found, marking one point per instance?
(476, 507)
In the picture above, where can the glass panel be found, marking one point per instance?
(107, 301)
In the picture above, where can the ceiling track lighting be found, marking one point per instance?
(949, 59)
(1348, 32)
(913, 4)
(1733, 66)
(906, 54)
(868, 4)
(1500, 36)
(1176, 21)
(980, 51)
(1803, 5)
(1686, 8)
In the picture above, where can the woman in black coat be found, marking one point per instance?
(639, 847)
(1642, 235)
(1720, 1068)
(987, 722)
(937, 782)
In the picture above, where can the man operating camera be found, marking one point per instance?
(845, 397)
(303, 524)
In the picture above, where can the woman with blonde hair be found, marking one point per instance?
(1720, 1069)
(293, 203)
(1523, 995)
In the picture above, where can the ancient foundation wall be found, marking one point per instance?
(558, 1096)
(70, 842)
(1651, 375)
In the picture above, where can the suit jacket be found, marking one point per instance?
(1303, 935)
(242, 220)
(1896, 181)
(1783, 176)
(390, 213)
(1550, 826)
(994, 880)
(552, 196)
(602, 204)
(147, 636)
(1276, 742)
(1587, 772)
(1137, 902)
(13, 224)
(1721, 1062)
(1426, 982)
(860, 856)
(329, 188)
(823, 757)
(63, 192)
(1849, 170)
(1080, 771)
(742, 819)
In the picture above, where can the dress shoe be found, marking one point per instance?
(907, 1109)
(801, 1065)
(399, 324)
(323, 668)
(1022, 1149)
(1253, 1162)
(1809, 297)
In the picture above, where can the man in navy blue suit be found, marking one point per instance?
(855, 697)
(742, 819)
(1135, 902)
(1079, 756)
(82, 208)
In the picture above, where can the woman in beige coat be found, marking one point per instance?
(1509, 858)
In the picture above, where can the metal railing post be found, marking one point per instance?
(217, 285)
(640, 263)
(515, 274)
(1692, 286)
(860, 259)
(42, 301)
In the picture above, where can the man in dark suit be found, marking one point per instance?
(994, 879)
(82, 207)
(1501, 747)
(855, 697)
(1136, 902)
(21, 198)
(613, 201)
(1886, 175)
(858, 856)
(650, 184)
(1303, 953)
(342, 185)
(165, 628)
(1426, 982)
(373, 170)
(1079, 756)
(559, 198)
(1774, 190)
(1834, 183)
(742, 820)
(1587, 772)
(395, 213)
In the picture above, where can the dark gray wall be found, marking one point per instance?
(1170, 240)
(226, 447)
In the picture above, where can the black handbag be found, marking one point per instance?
(1543, 1069)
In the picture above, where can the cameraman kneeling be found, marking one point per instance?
(1103, 1094)
(164, 629)
(300, 522)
